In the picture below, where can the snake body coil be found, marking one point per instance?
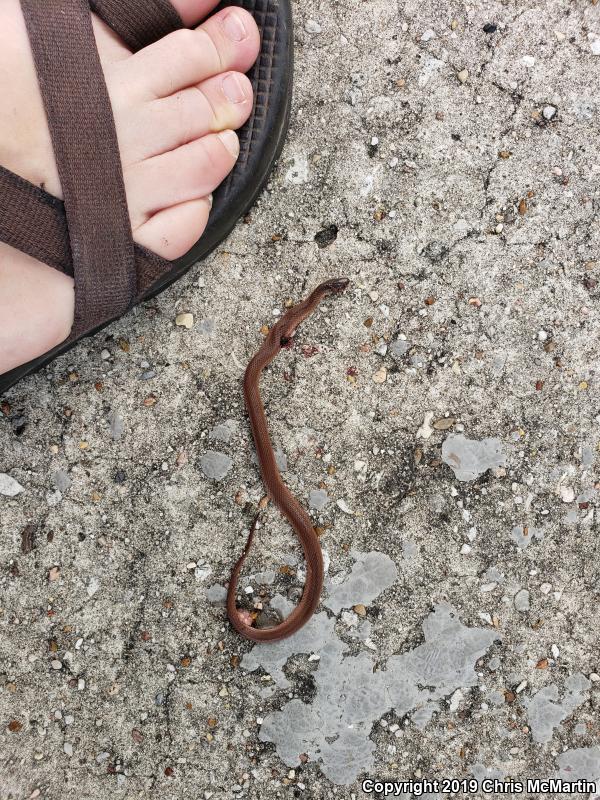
(279, 336)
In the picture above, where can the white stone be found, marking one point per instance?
(350, 619)
(567, 494)
(343, 506)
(456, 700)
(426, 431)
(185, 320)
(9, 487)
(312, 26)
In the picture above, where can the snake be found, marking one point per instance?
(279, 336)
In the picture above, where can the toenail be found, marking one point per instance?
(234, 26)
(232, 86)
(231, 142)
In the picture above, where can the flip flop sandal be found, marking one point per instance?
(88, 236)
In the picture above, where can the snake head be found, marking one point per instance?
(335, 285)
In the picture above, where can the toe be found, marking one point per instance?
(172, 232)
(194, 11)
(228, 40)
(187, 173)
(214, 105)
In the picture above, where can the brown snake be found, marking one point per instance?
(280, 336)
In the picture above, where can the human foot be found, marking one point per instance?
(175, 105)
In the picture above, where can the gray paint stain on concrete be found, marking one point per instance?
(370, 575)
(545, 711)
(580, 763)
(351, 695)
(469, 458)
(215, 465)
(523, 535)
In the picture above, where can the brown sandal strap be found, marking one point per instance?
(87, 156)
(34, 222)
(138, 22)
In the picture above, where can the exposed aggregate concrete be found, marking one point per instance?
(451, 172)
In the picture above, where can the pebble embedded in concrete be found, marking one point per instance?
(185, 320)
(9, 486)
(522, 600)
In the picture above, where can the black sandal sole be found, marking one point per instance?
(261, 142)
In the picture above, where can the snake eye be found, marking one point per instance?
(284, 341)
